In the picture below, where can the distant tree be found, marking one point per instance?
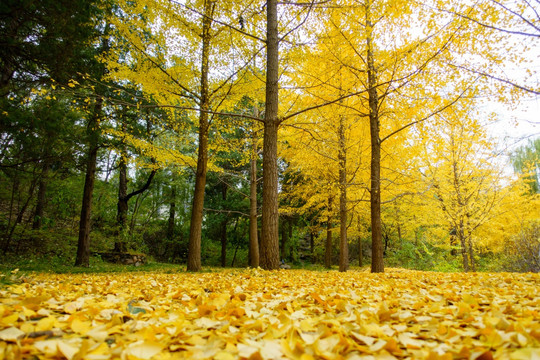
(526, 161)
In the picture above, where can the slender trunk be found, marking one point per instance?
(311, 244)
(122, 205)
(377, 263)
(172, 214)
(134, 215)
(20, 215)
(234, 255)
(360, 254)
(464, 252)
(14, 191)
(224, 227)
(343, 243)
(328, 244)
(453, 242)
(398, 227)
(471, 253)
(195, 230)
(83, 245)
(284, 238)
(269, 256)
(253, 241)
(92, 130)
(223, 237)
(42, 191)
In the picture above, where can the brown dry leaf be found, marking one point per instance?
(256, 314)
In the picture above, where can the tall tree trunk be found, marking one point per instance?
(343, 243)
(471, 253)
(328, 245)
(83, 245)
(464, 248)
(398, 221)
(253, 240)
(223, 238)
(360, 254)
(377, 264)
(121, 206)
(20, 215)
(311, 244)
(284, 238)
(92, 130)
(195, 229)
(224, 227)
(172, 214)
(42, 191)
(269, 256)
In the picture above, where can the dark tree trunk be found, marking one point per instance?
(328, 245)
(343, 243)
(223, 237)
(122, 206)
(360, 254)
(284, 238)
(172, 214)
(20, 215)
(253, 239)
(464, 247)
(269, 256)
(195, 229)
(311, 244)
(14, 192)
(471, 253)
(224, 228)
(42, 191)
(83, 245)
(377, 262)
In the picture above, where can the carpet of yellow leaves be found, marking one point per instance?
(287, 314)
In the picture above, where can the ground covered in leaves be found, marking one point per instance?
(287, 314)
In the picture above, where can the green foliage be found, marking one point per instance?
(523, 250)
(423, 256)
(526, 161)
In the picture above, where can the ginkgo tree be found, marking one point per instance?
(394, 73)
(465, 180)
(162, 36)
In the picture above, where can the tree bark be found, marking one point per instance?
(195, 229)
(83, 245)
(42, 191)
(377, 263)
(269, 256)
(343, 243)
(284, 238)
(311, 244)
(253, 240)
(328, 244)
(122, 205)
(172, 214)
(224, 228)
(471, 253)
(464, 248)
(20, 216)
(360, 260)
(223, 238)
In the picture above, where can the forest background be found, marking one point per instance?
(241, 133)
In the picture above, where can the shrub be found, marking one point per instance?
(523, 249)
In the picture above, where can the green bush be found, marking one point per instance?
(523, 249)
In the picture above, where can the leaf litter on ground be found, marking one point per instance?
(285, 314)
